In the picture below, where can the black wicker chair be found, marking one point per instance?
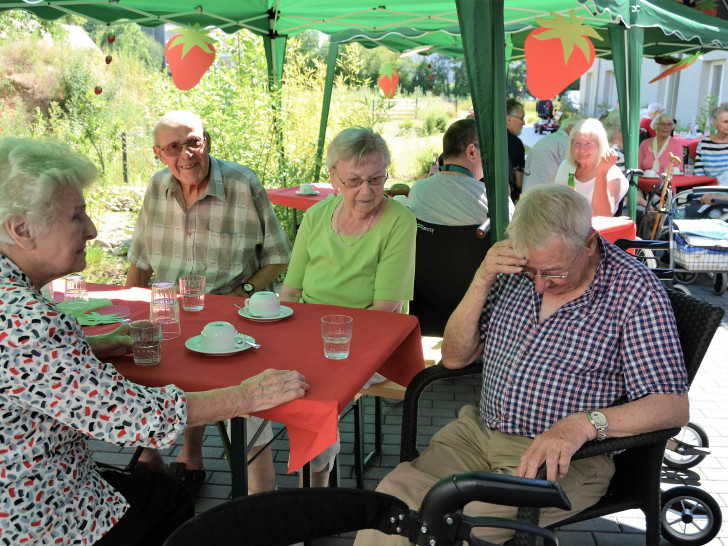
(285, 517)
(636, 483)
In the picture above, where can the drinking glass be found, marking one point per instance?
(75, 294)
(164, 309)
(336, 333)
(192, 289)
(147, 347)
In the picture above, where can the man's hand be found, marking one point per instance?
(116, 343)
(271, 388)
(556, 446)
(501, 258)
(238, 291)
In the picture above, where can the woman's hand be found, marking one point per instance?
(607, 161)
(271, 388)
(116, 343)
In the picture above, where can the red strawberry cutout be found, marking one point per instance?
(108, 59)
(111, 38)
(98, 90)
(557, 53)
(388, 80)
(189, 54)
(708, 7)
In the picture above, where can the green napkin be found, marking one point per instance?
(84, 318)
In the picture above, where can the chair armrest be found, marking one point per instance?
(611, 445)
(408, 448)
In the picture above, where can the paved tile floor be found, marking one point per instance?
(709, 408)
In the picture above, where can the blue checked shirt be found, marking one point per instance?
(615, 343)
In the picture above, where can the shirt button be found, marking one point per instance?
(189, 259)
(527, 352)
(513, 381)
(506, 417)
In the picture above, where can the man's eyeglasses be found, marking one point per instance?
(522, 119)
(194, 144)
(532, 273)
(356, 182)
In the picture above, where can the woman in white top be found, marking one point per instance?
(593, 163)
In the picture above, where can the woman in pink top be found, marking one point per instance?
(655, 152)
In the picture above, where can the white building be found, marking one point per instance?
(682, 93)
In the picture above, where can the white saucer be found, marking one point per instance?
(314, 192)
(283, 313)
(195, 344)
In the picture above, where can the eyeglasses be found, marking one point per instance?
(531, 273)
(665, 124)
(356, 182)
(194, 144)
(586, 144)
(522, 119)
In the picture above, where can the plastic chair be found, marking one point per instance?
(285, 517)
(636, 482)
(446, 260)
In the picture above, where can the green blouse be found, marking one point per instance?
(381, 265)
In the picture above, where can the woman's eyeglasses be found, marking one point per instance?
(194, 144)
(356, 182)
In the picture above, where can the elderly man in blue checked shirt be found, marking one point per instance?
(206, 216)
(579, 342)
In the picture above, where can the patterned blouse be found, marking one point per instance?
(54, 395)
(615, 343)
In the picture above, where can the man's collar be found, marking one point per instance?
(215, 185)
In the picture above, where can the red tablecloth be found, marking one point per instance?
(289, 198)
(386, 342)
(679, 182)
(613, 228)
(691, 143)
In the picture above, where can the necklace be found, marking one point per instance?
(366, 228)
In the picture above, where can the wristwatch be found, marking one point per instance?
(249, 288)
(599, 421)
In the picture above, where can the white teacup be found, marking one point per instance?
(650, 173)
(306, 188)
(263, 304)
(219, 336)
(676, 170)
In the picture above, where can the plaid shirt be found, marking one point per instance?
(615, 343)
(227, 235)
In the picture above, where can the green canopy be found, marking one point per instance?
(483, 25)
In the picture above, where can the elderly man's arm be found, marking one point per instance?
(557, 445)
(461, 343)
(260, 279)
(138, 277)
(263, 391)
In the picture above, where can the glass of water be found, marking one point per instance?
(147, 347)
(336, 333)
(164, 309)
(192, 289)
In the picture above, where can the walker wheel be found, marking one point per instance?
(720, 282)
(690, 434)
(689, 516)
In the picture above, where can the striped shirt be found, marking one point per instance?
(711, 159)
(615, 343)
(227, 235)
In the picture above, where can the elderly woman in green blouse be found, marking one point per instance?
(356, 249)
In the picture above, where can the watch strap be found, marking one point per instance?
(601, 429)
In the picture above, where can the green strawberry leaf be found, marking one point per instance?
(571, 32)
(388, 70)
(191, 37)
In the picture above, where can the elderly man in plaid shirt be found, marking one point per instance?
(206, 216)
(579, 343)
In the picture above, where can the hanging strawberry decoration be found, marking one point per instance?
(189, 54)
(108, 59)
(557, 53)
(98, 90)
(678, 66)
(110, 38)
(388, 80)
(708, 7)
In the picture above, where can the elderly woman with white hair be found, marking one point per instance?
(593, 163)
(711, 158)
(56, 393)
(646, 129)
(654, 154)
(357, 249)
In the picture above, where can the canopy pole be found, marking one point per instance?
(627, 51)
(483, 36)
(275, 50)
(325, 107)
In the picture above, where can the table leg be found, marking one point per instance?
(236, 452)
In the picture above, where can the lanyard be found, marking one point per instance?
(457, 169)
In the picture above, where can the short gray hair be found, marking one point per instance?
(613, 124)
(655, 108)
(658, 118)
(570, 122)
(718, 110)
(590, 127)
(30, 172)
(357, 143)
(546, 211)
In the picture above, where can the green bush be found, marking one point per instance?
(435, 122)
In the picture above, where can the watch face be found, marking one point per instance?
(598, 418)
(248, 287)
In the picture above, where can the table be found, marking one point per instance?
(389, 343)
(679, 182)
(691, 143)
(288, 197)
(613, 228)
